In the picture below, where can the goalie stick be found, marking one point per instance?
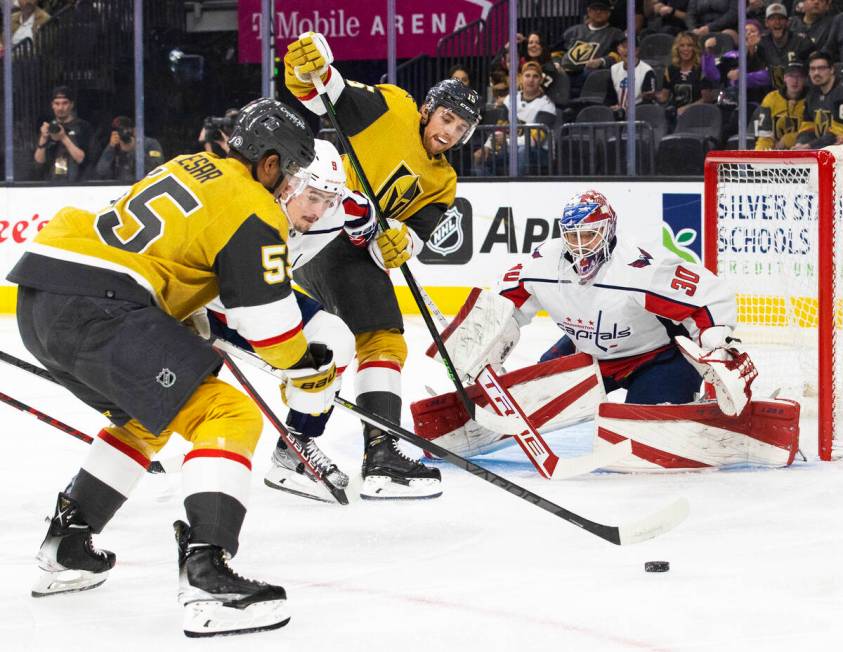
(636, 531)
(155, 466)
(292, 443)
(501, 423)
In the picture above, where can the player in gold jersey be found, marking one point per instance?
(100, 304)
(402, 152)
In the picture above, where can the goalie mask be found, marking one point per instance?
(457, 98)
(588, 225)
(325, 175)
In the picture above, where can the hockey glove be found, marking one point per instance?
(730, 371)
(395, 246)
(309, 387)
(360, 224)
(307, 55)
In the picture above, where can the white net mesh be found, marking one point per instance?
(768, 245)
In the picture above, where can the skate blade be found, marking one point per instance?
(212, 618)
(299, 485)
(66, 581)
(382, 487)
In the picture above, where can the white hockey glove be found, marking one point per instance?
(309, 54)
(395, 246)
(486, 332)
(727, 369)
(311, 386)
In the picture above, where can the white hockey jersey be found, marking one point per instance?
(632, 308)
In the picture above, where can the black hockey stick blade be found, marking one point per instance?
(642, 529)
(337, 492)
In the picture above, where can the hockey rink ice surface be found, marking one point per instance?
(758, 565)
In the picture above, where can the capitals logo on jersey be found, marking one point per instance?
(399, 190)
(603, 338)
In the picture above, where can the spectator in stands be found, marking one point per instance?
(815, 23)
(617, 15)
(460, 72)
(532, 107)
(756, 9)
(684, 83)
(780, 114)
(590, 46)
(617, 95)
(668, 17)
(780, 46)
(725, 68)
(707, 16)
(63, 143)
(215, 140)
(821, 125)
(834, 42)
(27, 20)
(117, 161)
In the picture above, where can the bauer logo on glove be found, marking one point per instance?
(309, 387)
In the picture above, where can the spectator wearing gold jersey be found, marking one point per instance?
(821, 125)
(781, 112)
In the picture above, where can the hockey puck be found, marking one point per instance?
(656, 566)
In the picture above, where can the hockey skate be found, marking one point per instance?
(219, 602)
(288, 473)
(67, 556)
(389, 474)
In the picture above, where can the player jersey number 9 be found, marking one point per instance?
(150, 223)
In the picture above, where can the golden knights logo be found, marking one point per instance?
(451, 242)
(582, 51)
(822, 121)
(398, 191)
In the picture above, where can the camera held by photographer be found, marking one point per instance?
(63, 142)
(117, 161)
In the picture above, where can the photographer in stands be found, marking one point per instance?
(63, 142)
(117, 161)
(215, 132)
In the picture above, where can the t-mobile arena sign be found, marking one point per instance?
(357, 30)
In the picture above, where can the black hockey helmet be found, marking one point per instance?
(266, 126)
(459, 98)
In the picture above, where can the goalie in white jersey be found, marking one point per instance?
(650, 323)
(319, 207)
(623, 304)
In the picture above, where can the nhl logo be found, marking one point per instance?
(447, 237)
(451, 242)
(166, 378)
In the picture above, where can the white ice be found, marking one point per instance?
(757, 565)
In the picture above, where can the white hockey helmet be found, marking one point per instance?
(588, 223)
(326, 174)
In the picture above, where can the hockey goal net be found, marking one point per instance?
(773, 229)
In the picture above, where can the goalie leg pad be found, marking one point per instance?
(699, 435)
(553, 394)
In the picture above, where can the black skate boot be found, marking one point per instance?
(390, 474)
(288, 473)
(217, 601)
(67, 556)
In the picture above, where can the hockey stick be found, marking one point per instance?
(636, 531)
(503, 424)
(155, 466)
(292, 443)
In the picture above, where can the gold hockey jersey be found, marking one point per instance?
(779, 119)
(194, 228)
(384, 126)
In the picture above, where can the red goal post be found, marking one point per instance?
(772, 226)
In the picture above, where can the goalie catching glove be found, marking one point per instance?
(309, 387)
(721, 364)
(395, 246)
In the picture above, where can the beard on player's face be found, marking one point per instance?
(442, 131)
